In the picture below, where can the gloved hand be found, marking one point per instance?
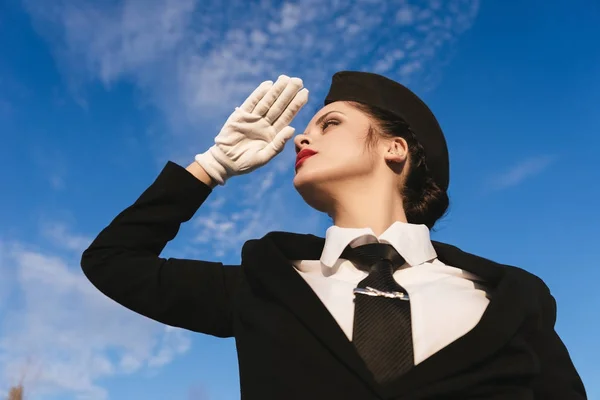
(256, 131)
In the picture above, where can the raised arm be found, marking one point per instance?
(124, 261)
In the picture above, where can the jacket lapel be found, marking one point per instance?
(504, 315)
(268, 261)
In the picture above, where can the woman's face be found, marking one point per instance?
(337, 135)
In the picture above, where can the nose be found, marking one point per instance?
(301, 141)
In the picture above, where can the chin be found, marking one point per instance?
(307, 179)
(312, 190)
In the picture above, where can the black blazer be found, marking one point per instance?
(289, 346)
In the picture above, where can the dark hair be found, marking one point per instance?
(423, 200)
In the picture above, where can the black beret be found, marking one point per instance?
(382, 92)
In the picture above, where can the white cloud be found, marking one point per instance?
(196, 60)
(64, 334)
(197, 392)
(59, 235)
(521, 171)
(405, 15)
(261, 206)
(191, 57)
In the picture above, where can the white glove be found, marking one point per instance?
(256, 131)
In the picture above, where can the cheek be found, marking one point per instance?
(352, 154)
(335, 163)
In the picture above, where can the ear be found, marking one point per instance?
(396, 150)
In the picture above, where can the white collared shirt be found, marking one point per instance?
(446, 302)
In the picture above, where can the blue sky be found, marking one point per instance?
(95, 97)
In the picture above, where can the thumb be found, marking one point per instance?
(282, 137)
(278, 143)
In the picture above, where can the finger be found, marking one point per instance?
(256, 96)
(277, 144)
(284, 99)
(269, 98)
(292, 109)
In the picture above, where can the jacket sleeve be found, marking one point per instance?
(123, 261)
(558, 379)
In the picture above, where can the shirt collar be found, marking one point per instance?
(410, 240)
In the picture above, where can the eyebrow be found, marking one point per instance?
(322, 117)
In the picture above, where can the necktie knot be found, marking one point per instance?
(374, 255)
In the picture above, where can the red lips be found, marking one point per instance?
(303, 155)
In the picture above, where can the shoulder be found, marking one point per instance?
(533, 289)
(488, 267)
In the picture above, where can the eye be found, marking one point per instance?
(325, 124)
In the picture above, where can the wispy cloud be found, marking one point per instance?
(197, 392)
(196, 60)
(521, 171)
(60, 236)
(193, 56)
(259, 207)
(64, 333)
(52, 164)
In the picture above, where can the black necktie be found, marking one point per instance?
(382, 331)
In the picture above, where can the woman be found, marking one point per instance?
(373, 311)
